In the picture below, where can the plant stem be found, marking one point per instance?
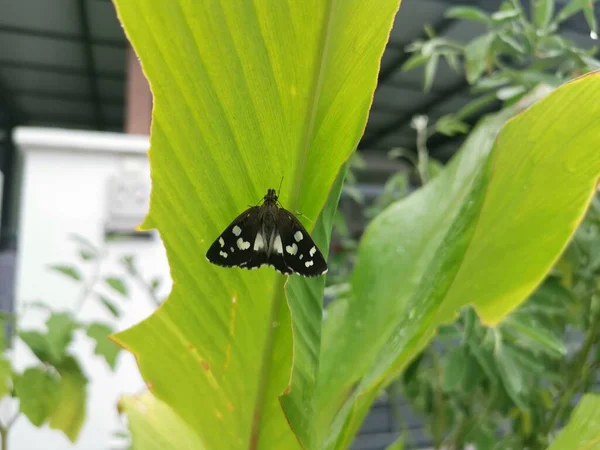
(423, 156)
(3, 437)
(438, 400)
(87, 288)
(575, 375)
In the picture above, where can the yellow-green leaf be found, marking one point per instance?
(583, 430)
(69, 411)
(485, 231)
(155, 426)
(246, 93)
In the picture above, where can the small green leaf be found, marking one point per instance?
(430, 69)
(449, 125)
(60, 334)
(38, 344)
(414, 61)
(511, 376)
(511, 42)
(37, 392)
(104, 346)
(155, 284)
(545, 338)
(128, 262)
(108, 304)
(468, 13)
(454, 370)
(476, 54)
(543, 11)
(69, 412)
(69, 271)
(510, 92)
(87, 255)
(571, 8)
(590, 17)
(504, 16)
(5, 376)
(397, 445)
(117, 284)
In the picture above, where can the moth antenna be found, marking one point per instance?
(280, 184)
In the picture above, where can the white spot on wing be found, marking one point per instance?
(259, 243)
(298, 236)
(308, 263)
(237, 230)
(278, 246)
(232, 249)
(313, 251)
(301, 256)
(243, 245)
(221, 242)
(292, 249)
(223, 254)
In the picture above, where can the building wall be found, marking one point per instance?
(65, 181)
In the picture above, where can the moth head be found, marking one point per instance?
(271, 196)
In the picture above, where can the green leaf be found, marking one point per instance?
(583, 430)
(117, 284)
(511, 42)
(69, 412)
(60, 334)
(38, 344)
(87, 255)
(415, 61)
(512, 377)
(6, 373)
(104, 346)
(109, 304)
(454, 370)
(69, 271)
(262, 92)
(506, 218)
(536, 333)
(430, 69)
(573, 7)
(37, 392)
(468, 13)
(505, 16)
(155, 426)
(397, 445)
(543, 10)
(476, 56)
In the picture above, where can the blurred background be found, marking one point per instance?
(74, 182)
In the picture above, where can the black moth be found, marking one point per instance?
(268, 235)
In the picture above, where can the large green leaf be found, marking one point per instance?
(485, 231)
(245, 93)
(154, 426)
(583, 430)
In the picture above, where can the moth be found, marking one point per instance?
(269, 235)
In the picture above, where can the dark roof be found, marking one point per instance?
(62, 63)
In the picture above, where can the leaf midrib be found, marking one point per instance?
(279, 292)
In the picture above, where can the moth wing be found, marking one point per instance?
(235, 246)
(300, 253)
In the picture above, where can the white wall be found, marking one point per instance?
(64, 190)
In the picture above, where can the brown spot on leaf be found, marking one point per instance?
(205, 365)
